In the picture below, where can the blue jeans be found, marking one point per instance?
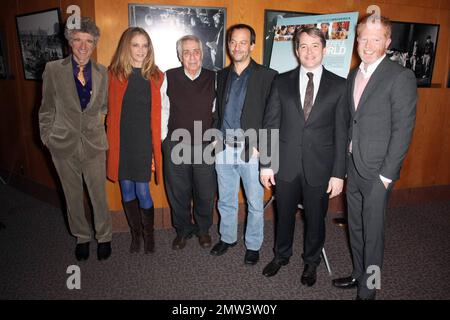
(230, 169)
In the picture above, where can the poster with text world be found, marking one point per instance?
(339, 31)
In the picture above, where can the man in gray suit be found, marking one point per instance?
(382, 98)
(71, 121)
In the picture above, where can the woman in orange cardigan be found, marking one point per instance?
(134, 131)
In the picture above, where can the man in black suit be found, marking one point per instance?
(308, 107)
(382, 99)
(243, 89)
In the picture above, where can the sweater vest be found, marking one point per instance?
(190, 100)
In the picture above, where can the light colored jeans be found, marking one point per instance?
(230, 169)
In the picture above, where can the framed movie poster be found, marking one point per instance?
(41, 40)
(167, 24)
(271, 29)
(414, 46)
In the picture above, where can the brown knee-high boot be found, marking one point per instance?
(133, 215)
(148, 221)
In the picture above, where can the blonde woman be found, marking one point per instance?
(134, 131)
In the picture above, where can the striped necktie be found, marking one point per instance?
(309, 95)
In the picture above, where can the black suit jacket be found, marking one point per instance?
(381, 128)
(316, 147)
(257, 94)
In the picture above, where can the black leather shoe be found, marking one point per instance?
(82, 251)
(251, 257)
(272, 268)
(309, 275)
(345, 283)
(221, 247)
(104, 250)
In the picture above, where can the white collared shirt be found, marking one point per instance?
(370, 68)
(304, 82)
(195, 76)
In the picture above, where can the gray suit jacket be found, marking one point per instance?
(63, 125)
(381, 128)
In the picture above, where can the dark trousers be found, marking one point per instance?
(367, 201)
(315, 204)
(187, 183)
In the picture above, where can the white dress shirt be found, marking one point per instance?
(371, 67)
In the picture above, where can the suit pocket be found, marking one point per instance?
(58, 132)
(59, 138)
(376, 151)
(377, 148)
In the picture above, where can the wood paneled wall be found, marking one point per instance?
(428, 160)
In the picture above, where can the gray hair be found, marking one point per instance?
(187, 38)
(86, 26)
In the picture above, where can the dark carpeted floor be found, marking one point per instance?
(36, 250)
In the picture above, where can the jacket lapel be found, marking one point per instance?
(351, 88)
(375, 79)
(324, 87)
(252, 85)
(96, 80)
(68, 82)
(294, 91)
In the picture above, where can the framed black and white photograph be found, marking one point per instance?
(271, 30)
(167, 24)
(41, 40)
(414, 46)
(3, 57)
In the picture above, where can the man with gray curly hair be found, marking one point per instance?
(86, 26)
(74, 97)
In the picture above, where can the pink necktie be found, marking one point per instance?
(360, 85)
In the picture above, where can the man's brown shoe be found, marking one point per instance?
(178, 243)
(204, 240)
